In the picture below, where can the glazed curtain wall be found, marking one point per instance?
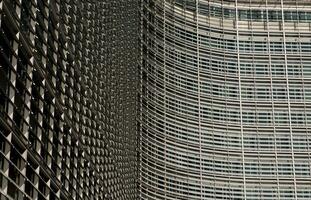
(68, 96)
(226, 99)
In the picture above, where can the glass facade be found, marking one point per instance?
(68, 96)
(225, 99)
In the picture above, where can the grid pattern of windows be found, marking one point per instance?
(226, 99)
(68, 99)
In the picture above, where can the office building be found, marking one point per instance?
(68, 96)
(226, 99)
(221, 99)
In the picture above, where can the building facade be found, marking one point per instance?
(68, 96)
(226, 99)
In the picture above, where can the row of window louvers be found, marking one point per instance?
(199, 92)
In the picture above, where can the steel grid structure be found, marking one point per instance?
(68, 96)
(225, 99)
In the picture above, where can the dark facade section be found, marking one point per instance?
(68, 99)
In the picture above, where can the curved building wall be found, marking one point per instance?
(226, 96)
(68, 97)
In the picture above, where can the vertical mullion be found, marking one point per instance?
(240, 97)
(288, 100)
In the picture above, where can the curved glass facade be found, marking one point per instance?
(226, 99)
